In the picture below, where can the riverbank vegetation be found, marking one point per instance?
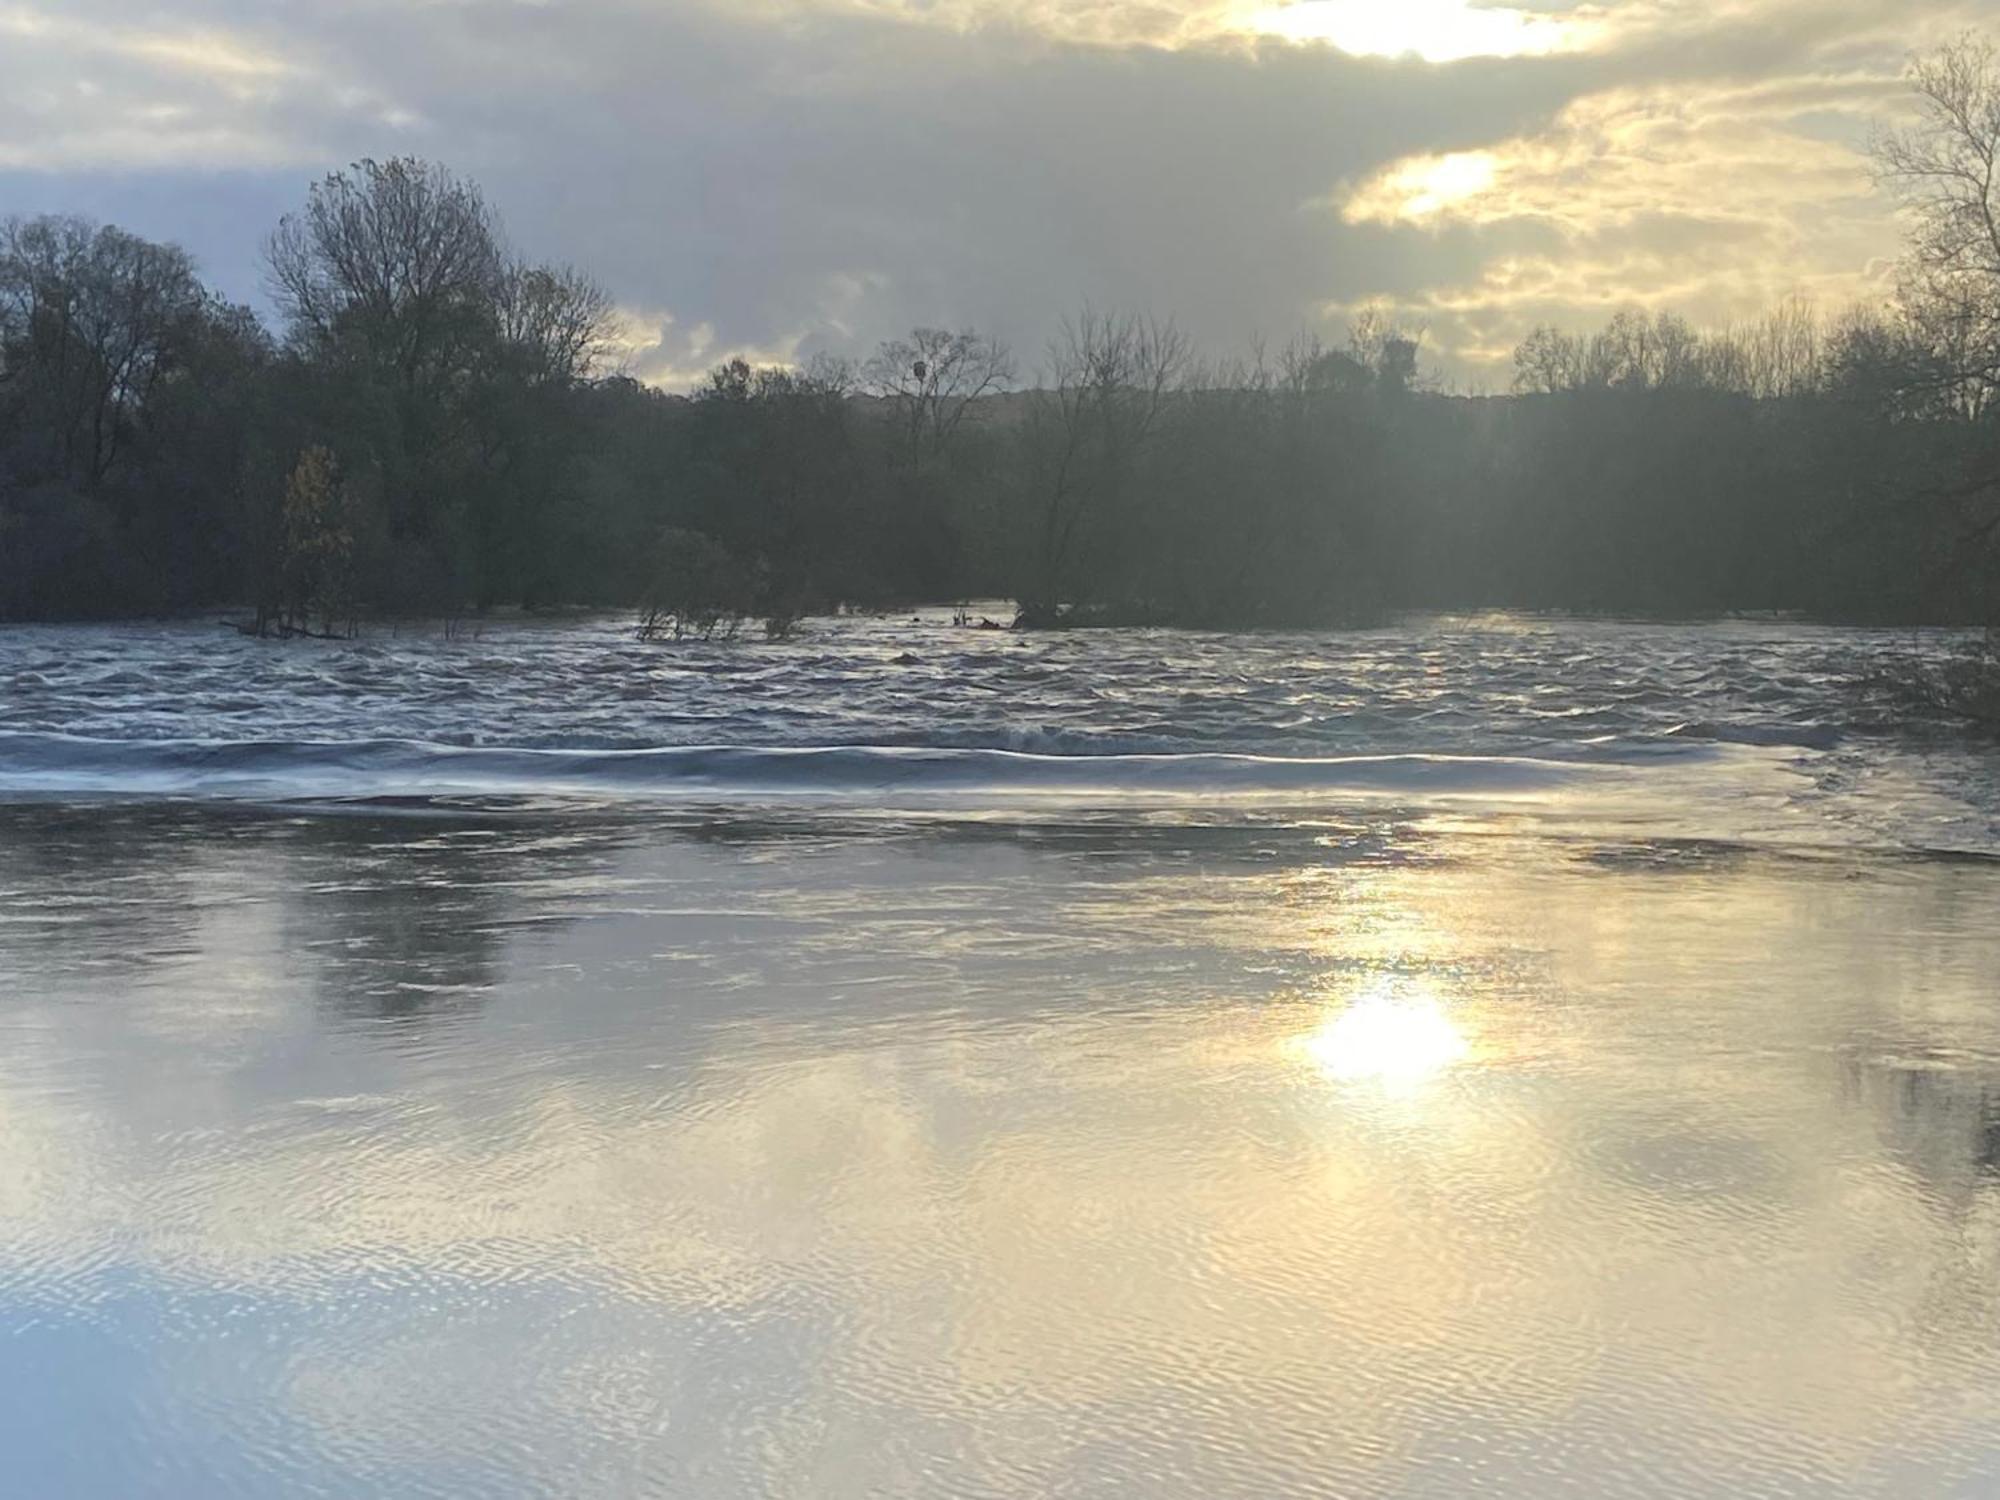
(436, 424)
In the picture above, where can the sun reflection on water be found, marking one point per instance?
(1392, 1035)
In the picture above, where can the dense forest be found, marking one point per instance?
(432, 428)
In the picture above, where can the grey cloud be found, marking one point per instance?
(808, 175)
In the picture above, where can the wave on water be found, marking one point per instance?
(40, 765)
(1717, 731)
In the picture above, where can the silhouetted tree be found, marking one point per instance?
(435, 431)
(443, 365)
(1944, 168)
(93, 319)
(1109, 384)
(932, 379)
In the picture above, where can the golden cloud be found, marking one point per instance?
(208, 53)
(1718, 201)
(1435, 30)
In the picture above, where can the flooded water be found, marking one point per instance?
(1487, 1057)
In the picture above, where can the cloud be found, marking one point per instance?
(1421, 189)
(1718, 201)
(806, 175)
(216, 56)
(84, 88)
(1435, 30)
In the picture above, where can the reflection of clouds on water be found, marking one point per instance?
(914, 1166)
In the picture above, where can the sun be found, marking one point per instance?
(1419, 188)
(1438, 31)
(1396, 1036)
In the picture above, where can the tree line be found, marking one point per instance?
(434, 425)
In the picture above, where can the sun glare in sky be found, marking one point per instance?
(1422, 187)
(1435, 30)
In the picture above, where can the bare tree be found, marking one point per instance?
(400, 256)
(1110, 380)
(1946, 169)
(94, 318)
(934, 377)
(1549, 361)
(1787, 352)
(1386, 350)
(556, 318)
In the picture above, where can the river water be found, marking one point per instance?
(1497, 1056)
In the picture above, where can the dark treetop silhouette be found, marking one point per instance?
(432, 429)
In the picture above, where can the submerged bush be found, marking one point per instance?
(702, 591)
(698, 589)
(315, 573)
(1963, 686)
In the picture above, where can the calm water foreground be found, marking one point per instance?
(1486, 1057)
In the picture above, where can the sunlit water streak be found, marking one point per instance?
(1388, 1037)
(1423, 1139)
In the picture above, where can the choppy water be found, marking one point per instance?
(1764, 731)
(1500, 1057)
(1487, 685)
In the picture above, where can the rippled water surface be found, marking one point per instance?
(1474, 685)
(1485, 1057)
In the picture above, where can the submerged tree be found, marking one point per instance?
(1110, 382)
(445, 361)
(316, 562)
(774, 478)
(930, 441)
(695, 589)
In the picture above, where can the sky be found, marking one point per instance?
(778, 178)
